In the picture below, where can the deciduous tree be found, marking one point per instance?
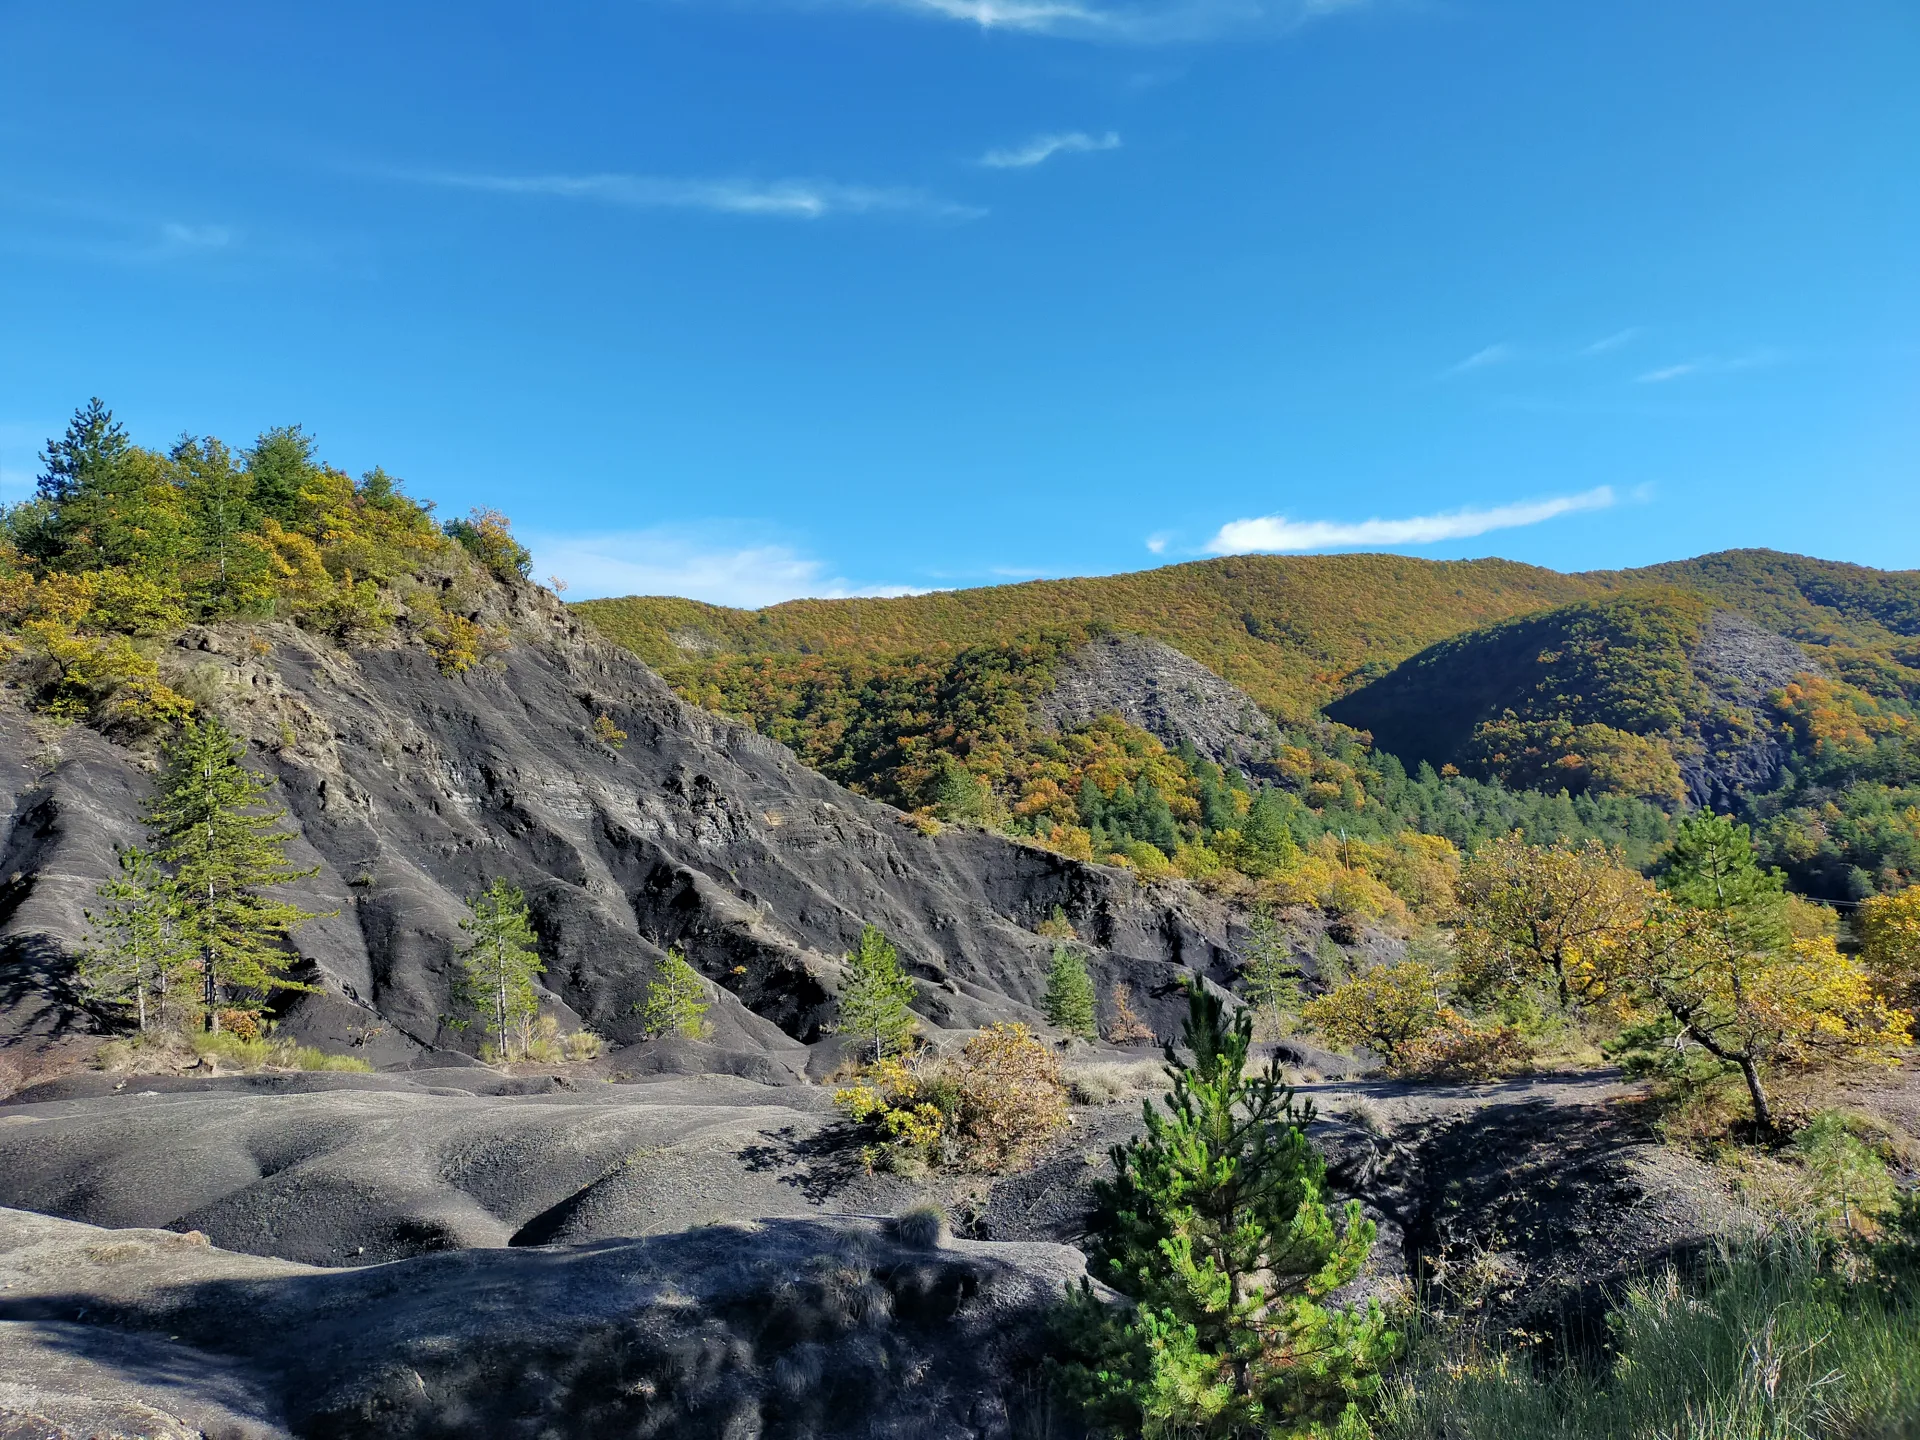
(1545, 915)
(1721, 958)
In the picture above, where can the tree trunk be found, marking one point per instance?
(1762, 1112)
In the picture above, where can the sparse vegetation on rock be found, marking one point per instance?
(676, 1001)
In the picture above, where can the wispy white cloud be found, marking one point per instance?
(669, 560)
(779, 199)
(1157, 543)
(1480, 360)
(196, 237)
(1144, 22)
(1277, 533)
(1610, 342)
(1711, 365)
(1044, 147)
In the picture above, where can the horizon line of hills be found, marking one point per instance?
(1239, 717)
(1452, 697)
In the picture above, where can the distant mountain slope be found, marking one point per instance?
(1292, 631)
(1825, 602)
(1654, 692)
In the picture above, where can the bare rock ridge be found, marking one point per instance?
(410, 789)
(789, 1328)
(1172, 697)
(1740, 663)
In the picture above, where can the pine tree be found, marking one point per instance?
(498, 964)
(205, 822)
(1272, 979)
(875, 994)
(1069, 1002)
(94, 443)
(1214, 1224)
(676, 1000)
(140, 955)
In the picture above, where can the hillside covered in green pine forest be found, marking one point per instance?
(1456, 698)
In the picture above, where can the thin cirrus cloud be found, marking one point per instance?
(1144, 22)
(1042, 148)
(1278, 534)
(1709, 365)
(670, 560)
(1479, 360)
(777, 199)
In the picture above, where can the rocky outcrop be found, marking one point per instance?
(1150, 684)
(1737, 751)
(411, 789)
(787, 1328)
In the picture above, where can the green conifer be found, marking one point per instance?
(676, 1000)
(1069, 1002)
(498, 964)
(875, 994)
(140, 955)
(1214, 1224)
(205, 822)
(1271, 979)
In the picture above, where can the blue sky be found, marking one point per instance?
(747, 299)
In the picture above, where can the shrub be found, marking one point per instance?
(1126, 1027)
(1012, 1098)
(988, 1109)
(1385, 1010)
(1461, 1050)
(608, 733)
(583, 1045)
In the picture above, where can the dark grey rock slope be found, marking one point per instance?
(411, 789)
(790, 1328)
(1171, 696)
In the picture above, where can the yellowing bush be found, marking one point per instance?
(988, 1109)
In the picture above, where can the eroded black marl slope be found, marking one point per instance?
(410, 789)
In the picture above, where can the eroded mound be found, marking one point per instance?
(787, 1328)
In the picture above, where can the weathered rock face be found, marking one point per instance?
(1738, 753)
(411, 789)
(791, 1328)
(1150, 684)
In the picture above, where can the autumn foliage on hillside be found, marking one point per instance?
(122, 546)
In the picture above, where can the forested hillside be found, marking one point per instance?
(1464, 695)
(1293, 632)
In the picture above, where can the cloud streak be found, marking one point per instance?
(1143, 22)
(1479, 360)
(1709, 365)
(776, 199)
(677, 561)
(1042, 148)
(1278, 534)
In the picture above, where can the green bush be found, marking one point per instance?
(1785, 1339)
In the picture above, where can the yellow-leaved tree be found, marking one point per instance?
(1545, 915)
(1717, 951)
(1889, 927)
